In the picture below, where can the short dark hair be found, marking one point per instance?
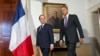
(65, 6)
(40, 16)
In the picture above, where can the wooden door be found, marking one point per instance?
(7, 11)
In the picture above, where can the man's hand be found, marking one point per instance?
(37, 47)
(51, 47)
(81, 41)
(61, 42)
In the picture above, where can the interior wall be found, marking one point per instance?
(36, 10)
(92, 3)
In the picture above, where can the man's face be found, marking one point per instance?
(42, 19)
(64, 11)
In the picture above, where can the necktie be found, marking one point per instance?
(40, 27)
(65, 21)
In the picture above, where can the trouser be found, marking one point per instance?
(45, 51)
(71, 49)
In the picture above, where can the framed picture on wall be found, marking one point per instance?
(52, 12)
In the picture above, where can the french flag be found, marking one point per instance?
(20, 42)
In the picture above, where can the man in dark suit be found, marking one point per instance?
(68, 28)
(45, 37)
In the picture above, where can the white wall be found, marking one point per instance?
(36, 10)
(92, 3)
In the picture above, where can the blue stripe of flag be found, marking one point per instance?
(19, 12)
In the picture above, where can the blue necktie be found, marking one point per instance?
(65, 21)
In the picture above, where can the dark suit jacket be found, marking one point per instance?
(70, 31)
(45, 36)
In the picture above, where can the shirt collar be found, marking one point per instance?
(42, 25)
(67, 15)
